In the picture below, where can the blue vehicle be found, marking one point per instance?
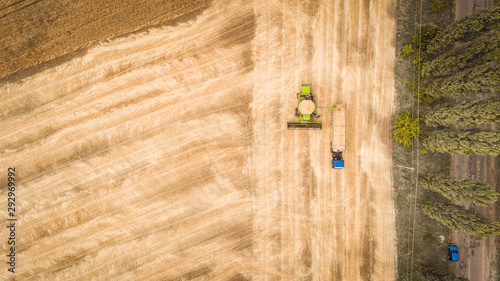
(337, 161)
(453, 252)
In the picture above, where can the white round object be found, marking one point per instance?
(307, 107)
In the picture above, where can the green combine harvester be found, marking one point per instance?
(306, 111)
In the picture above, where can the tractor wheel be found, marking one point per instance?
(297, 112)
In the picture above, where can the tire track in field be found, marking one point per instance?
(165, 155)
(113, 201)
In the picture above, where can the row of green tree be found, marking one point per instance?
(444, 70)
(448, 140)
(442, 73)
(457, 217)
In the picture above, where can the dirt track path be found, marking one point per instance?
(476, 253)
(165, 155)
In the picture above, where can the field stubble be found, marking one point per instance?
(165, 154)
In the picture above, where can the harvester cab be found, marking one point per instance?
(305, 111)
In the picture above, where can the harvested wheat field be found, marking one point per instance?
(164, 155)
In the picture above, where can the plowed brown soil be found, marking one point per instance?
(164, 155)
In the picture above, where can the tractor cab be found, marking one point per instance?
(337, 160)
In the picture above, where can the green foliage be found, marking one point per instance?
(416, 62)
(468, 112)
(440, 5)
(480, 79)
(421, 93)
(484, 49)
(420, 41)
(466, 29)
(461, 190)
(423, 96)
(463, 141)
(406, 51)
(412, 84)
(407, 128)
(424, 36)
(433, 274)
(458, 218)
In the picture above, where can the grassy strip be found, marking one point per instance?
(32, 32)
(420, 240)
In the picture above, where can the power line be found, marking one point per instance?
(419, 68)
